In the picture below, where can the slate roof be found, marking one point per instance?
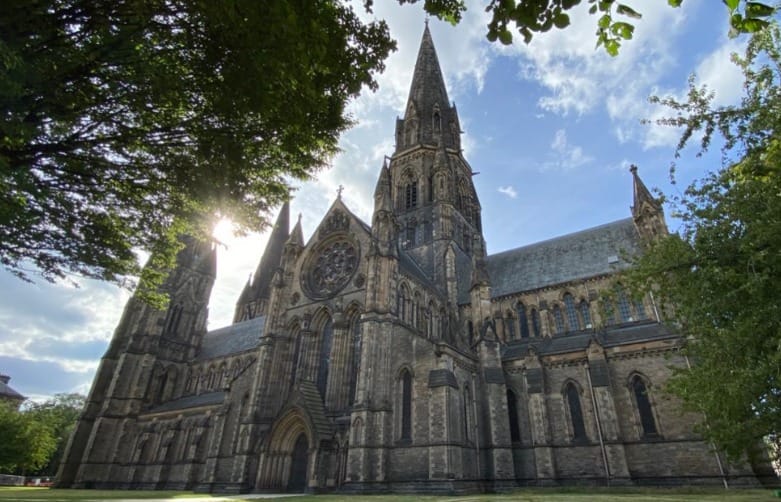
(644, 331)
(232, 339)
(183, 403)
(6, 391)
(408, 264)
(570, 257)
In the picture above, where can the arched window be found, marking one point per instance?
(356, 335)
(327, 336)
(410, 234)
(647, 421)
(509, 324)
(437, 122)
(162, 382)
(523, 322)
(212, 378)
(512, 410)
(296, 355)
(431, 321)
(624, 310)
(640, 310)
(610, 312)
(558, 319)
(403, 303)
(536, 323)
(411, 195)
(406, 405)
(417, 320)
(572, 315)
(467, 403)
(174, 316)
(575, 413)
(585, 313)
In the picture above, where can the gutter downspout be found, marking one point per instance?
(599, 425)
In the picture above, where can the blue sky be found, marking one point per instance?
(551, 127)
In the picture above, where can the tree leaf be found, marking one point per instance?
(628, 11)
(756, 9)
(561, 21)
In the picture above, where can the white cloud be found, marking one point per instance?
(564, 155)
(720, 74)
(508, 191)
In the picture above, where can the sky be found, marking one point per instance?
(551, 127)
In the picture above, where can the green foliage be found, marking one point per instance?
(614, 22)
(124, 123)
(721, 272)
(59, 414)
(25, 442)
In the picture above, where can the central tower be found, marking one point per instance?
(435, 200)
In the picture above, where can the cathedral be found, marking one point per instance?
(399, 355)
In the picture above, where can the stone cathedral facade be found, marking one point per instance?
(399, 356)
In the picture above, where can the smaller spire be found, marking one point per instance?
(641, 193)
(382, 192)
(297, 235)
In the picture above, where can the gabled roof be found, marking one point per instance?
(232, 339)
(588, 253)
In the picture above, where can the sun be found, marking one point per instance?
(224, 231)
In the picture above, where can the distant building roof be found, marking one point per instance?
(6, 392)
(588, 253)
(232, 339)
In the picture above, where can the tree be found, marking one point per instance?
(614, 23)
(721, 272)
(59, 415)
(124, 124)
(25, 443)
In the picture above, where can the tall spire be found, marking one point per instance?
(429, 118)
(428, 85)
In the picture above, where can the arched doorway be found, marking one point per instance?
(298, 465)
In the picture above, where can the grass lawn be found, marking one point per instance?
(523, 495)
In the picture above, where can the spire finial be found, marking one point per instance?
(633, 169)
(339, 191)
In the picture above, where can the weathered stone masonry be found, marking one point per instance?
(398, 356)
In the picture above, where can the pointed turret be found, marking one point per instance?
(382, 191)
(297, 234)
(429, 118)
(642, 195)
(384, 225)
(254, 298)
(647, 211)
